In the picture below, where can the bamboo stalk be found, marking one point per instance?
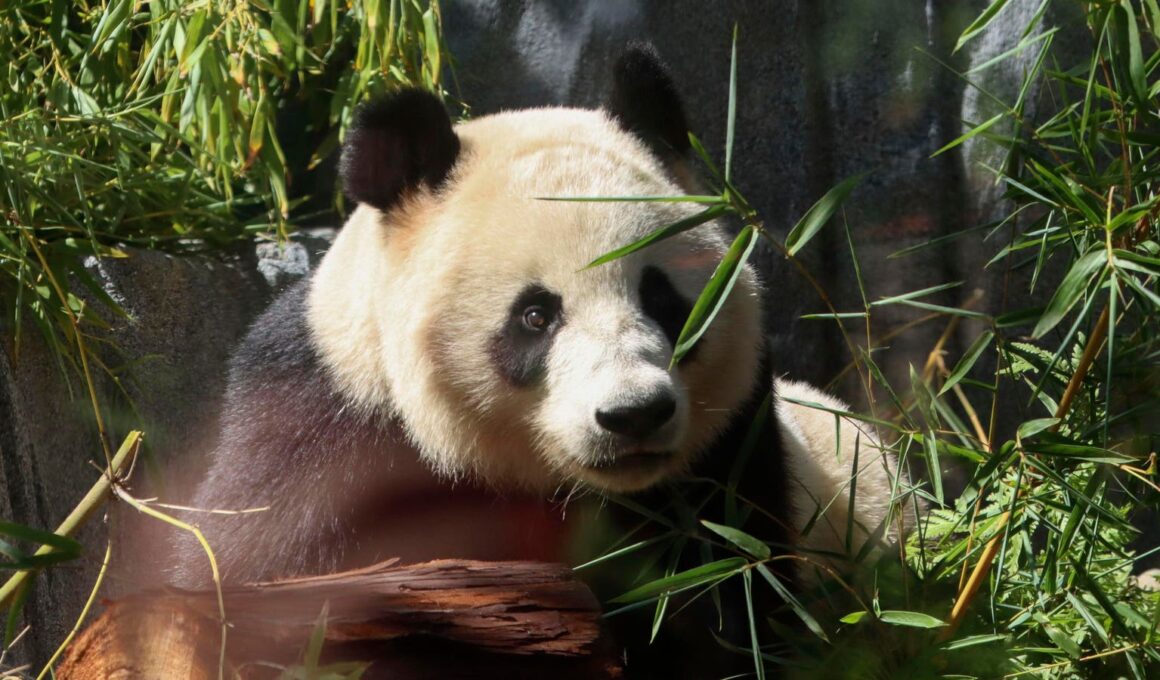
(971, 588)
(94, 499)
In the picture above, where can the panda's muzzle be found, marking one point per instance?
(633, 462)
(638, 421)
(636, 441)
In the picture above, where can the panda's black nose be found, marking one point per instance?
(638, 420)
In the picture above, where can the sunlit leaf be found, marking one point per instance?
(910, 619)
(740, 539)
(704, 574)
(980, 23)
(662, 234)
(715, 293)
(1073, 287)
(820, 213)
(978, 129)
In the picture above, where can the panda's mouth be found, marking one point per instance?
(633, 462)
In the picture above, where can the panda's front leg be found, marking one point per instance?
(828, 458)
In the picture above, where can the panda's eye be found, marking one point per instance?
(519, 349)
(536, 318)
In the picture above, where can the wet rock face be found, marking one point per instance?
(186, 315)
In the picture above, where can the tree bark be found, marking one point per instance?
(442, 619)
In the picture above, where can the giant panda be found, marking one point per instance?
(452, 366)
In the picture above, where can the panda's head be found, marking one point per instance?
(458, 302)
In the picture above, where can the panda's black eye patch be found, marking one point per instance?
(520, 349)
(663, 304)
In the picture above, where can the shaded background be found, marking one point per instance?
(826, 89)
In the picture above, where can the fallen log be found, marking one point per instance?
(442, 619)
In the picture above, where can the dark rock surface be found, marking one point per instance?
(186, 316)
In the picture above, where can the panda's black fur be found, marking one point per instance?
(282, 426)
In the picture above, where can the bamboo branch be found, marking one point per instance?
(93, 500)
(971, 588)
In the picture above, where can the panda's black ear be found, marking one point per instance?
(644, 101)
(395, 144)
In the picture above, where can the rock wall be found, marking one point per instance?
(187, 313)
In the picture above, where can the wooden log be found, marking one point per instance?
(442, 619)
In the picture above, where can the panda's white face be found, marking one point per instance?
(469, 314)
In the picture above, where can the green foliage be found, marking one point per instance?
(155, 125)
(1027, 573)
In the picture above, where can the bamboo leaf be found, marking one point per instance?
(314, 645)
(715, 293)
(1071, 289)
(758, 663)
(973, 640)
(626, 550)
(1061, 640)
(836, 315)
(1033, 427)
(820, 213)
(661, 234)
(193, 33)
(731, 116)
(934, 469)
(784, 593)
(968, 360)
(1135, 55)
(915, 294)
(941, 309)
(706, 573)
(112, 20)
(62, 544)
(980, 128)
(1051, 444)
(258, 126)
(740, 539)
(1092, 624)
(980, 23)
(712, 200)
(432, 51)
(699, 149)
(910, 619)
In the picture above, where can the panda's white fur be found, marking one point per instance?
(407, 343)
(820, 449)
(445, 266)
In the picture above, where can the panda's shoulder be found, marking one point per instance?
(806, 414)
(279, 339)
